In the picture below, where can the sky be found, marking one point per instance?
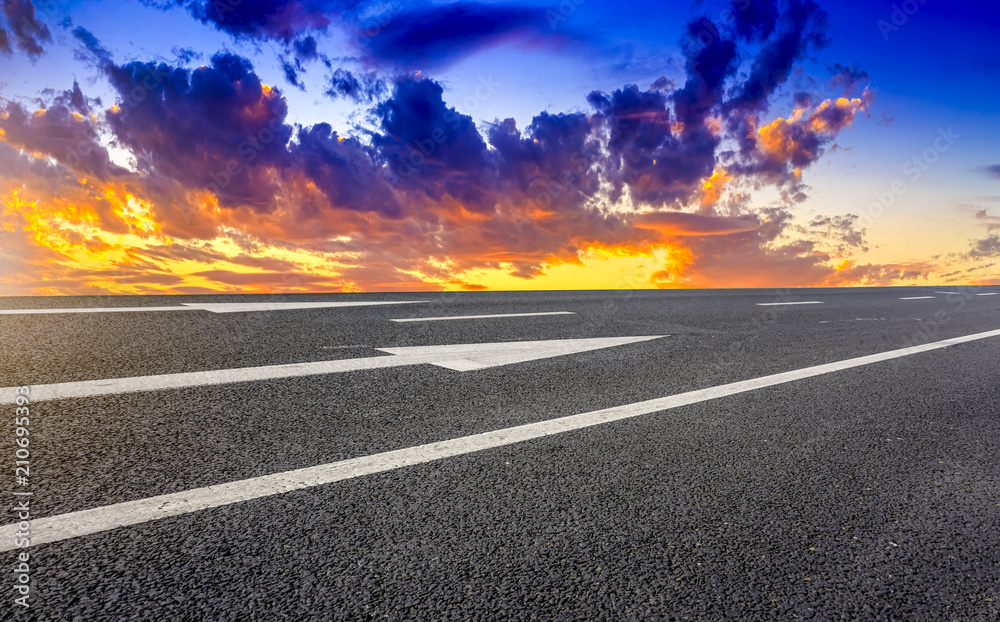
(245, 146)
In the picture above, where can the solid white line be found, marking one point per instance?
(96, 520)
(219, 307)
(917, 298)
(989, 294)
(950, 293)
(91, 310)
(476, 317)
(458, 357)
(781, 304)
(242, 307)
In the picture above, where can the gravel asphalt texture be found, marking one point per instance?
(870, 493)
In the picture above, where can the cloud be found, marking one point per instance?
(782, 148)
(685, 224)
(361, 88)
(433, 35)
(431, 148)
(60, 132)
(992, 170)
(345, 171)
(216, 127)
(281, 20)
(26, 31)
(987, 247)
(847, 78)
(880, 274)
(841, 230)
(423, 197)
(5, 41)
(800, 28)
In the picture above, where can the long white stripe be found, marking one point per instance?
(989, 294)
(476, 317)
(917, 298)
(96, 520)
(92, 310)
(950, 293)
(782, 304)
(219, 307)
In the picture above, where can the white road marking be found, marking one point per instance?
(782, 304)
(950, 293)
(476, 317)
(989, 294)
(97, 520)
(918, 298)
(240, 307)
(459, 357)
(217, 307)
(89, 310)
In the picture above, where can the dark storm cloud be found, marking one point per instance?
(345, 171)
(555, 164)
(214, 127)
(431, 148)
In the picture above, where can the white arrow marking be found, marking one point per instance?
(476, 317)
(96, 520)
(218, 307)
(781, 304)
(462, 357)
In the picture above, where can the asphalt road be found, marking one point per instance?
(867, 493)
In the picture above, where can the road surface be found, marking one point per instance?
(703, 454)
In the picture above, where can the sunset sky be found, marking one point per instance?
(199, 146)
